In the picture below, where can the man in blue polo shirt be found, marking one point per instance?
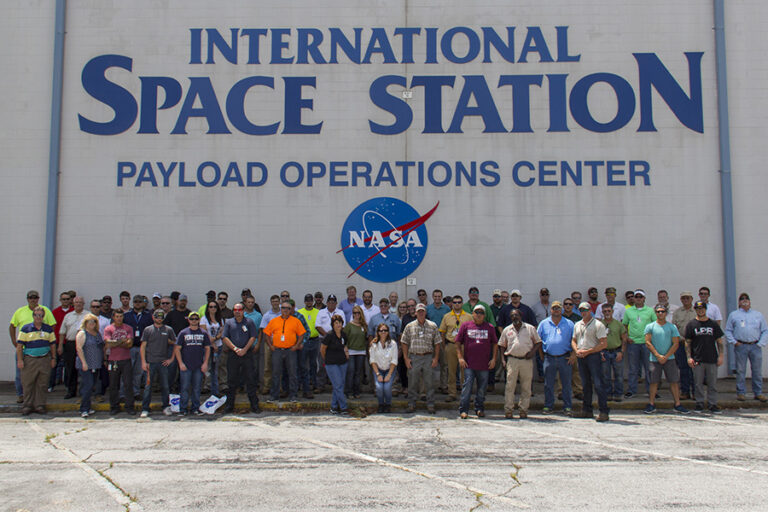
(556, 333)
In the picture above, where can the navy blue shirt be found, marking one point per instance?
(138, 323)
(505, 317)
(240, 332)
(193, 345)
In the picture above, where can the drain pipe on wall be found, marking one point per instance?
(54, 152)
(725, 169)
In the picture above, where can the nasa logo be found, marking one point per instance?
(384, 239)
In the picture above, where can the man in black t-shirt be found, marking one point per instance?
(704, 348)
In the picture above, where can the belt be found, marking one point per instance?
(747, 342)
(422, 354)
(613, 349)
(561, 355)
(510, 355)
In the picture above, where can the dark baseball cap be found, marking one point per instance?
(308, 297)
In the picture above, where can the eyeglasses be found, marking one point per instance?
(213, 307)
(355, 312)
(284, 307)
(95, 305)
(285, 296)
(165, 303)
(38, 315)
(238, 309)
(33, 297)
(383, 330)
(544, 294)
(457, 302)
(567, 303)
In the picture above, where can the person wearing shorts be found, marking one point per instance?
(662, 339)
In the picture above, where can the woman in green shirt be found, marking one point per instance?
(356, 331)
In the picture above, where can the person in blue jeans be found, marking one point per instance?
(612, 358)
(383, 359)
(192, 352)
(90, 356)
(476, 344)
(336, 355)
(556, 334)
(155, 341)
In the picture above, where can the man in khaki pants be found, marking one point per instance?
(520, 341)
(449, 328)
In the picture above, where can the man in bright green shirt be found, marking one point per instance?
(636, 317)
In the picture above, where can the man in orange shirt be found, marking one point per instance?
(284, 335)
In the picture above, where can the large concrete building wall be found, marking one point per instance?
(664, 234)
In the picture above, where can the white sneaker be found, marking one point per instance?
(144, 414)
(167, 411)
(84, 414)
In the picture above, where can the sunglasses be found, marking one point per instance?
(383, 330)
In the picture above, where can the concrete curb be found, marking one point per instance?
(398, 405)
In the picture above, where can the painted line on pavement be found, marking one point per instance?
(115, 492)
(619, 447)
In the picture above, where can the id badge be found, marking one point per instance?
(282, 337)
(743, 323)
(245, 329)
(137, 333)
(455, 332)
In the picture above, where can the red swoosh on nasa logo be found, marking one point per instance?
(405, 229)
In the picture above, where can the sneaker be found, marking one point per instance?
(523, 415)
(144, 414)
(715, 409)
(50, 390)
(84, 414)
(335, 411)
(294, 400)
(741, 397)
(761, 397)
(649, 409)
(167, 411)
(602, 417)
(567, 411)
(699, 408)
(546, 410)
(480, 414)
(344, 412)
(617, 398)
(113, 412)
(628, 395)
(681, 410)
(463, 415)
(198, 412)
(183, 413)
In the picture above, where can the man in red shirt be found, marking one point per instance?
(476, 344)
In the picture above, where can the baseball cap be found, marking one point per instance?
(744, 296)
(583, 306)
(686, 294)
(193, 313)
(246, 291)
(331, 297)
(610, 289)
(497, 292)
(478, 307)
(660, 307)
(308, 297)
(157, 295)
(33, 293)
(158, 313)
(515, 292)
(474, 289)
(421, 307)
(183, 297)
(556, 304)
(210, 294)
(700, 304)
(640, 292)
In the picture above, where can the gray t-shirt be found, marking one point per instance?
(157, 339)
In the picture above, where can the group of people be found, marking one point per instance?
(447, 345)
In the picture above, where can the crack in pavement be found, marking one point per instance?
(113, 489)
(382, 462)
